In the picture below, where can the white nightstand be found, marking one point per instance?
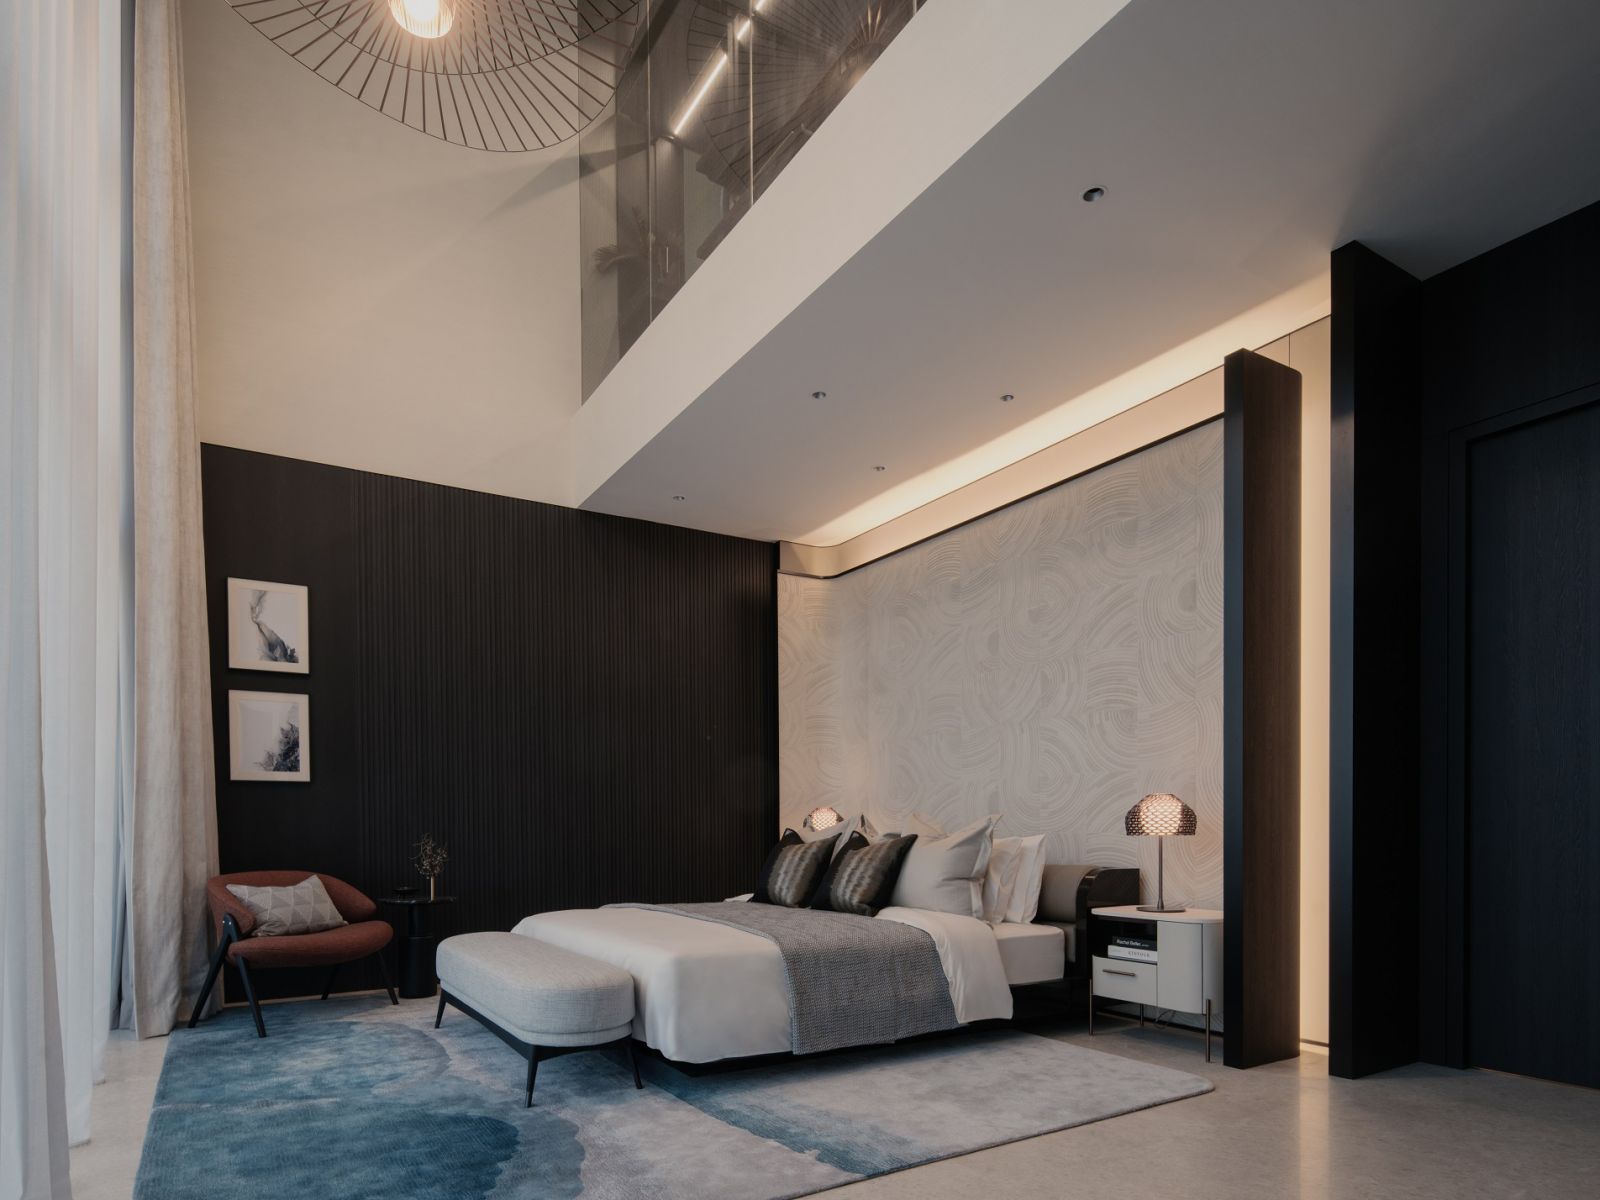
(1186, 975)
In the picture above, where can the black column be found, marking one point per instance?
(1261, 710)
(1373, 760)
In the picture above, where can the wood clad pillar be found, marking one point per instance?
(1261, 717)
(1374, 681)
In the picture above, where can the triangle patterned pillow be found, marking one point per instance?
(304, 908)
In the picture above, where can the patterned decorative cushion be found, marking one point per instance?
(792, 871)
(862, 877)
(304, 908)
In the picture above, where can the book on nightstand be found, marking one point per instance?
(1131, 953)
(1131, 947)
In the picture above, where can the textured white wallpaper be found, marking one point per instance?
(1052, 662)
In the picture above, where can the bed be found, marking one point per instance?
(707, 991)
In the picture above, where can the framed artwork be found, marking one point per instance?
(269, 736)
(268, 626)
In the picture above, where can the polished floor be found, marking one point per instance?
(1285, 1130)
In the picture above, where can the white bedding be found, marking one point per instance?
(1031, 953)
(705, 992)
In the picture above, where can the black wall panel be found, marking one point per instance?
(582, 707)
(1530, 615)
(1498, 346)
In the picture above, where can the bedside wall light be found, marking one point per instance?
(822, 818)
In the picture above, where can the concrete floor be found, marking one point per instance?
(1285, 1130)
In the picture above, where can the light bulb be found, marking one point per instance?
(424, 18)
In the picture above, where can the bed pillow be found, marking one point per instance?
(792, 871)
(1005, 860)
(304, 908)
(946, 874)
(1023, 903)
(862, 876)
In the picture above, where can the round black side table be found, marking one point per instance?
(417, 977)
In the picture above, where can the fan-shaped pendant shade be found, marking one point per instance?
(1161, 814)
(502, 75)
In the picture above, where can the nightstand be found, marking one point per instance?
(417, 975)
(1177, 961)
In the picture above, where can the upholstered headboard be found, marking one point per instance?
(1070, 890)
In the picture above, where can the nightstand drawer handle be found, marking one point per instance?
(1114, 971)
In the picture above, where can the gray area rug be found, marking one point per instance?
(353, 1098)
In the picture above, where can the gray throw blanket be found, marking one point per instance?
(853, 981)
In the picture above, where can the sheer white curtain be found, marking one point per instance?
(67, 597)
(107, 830)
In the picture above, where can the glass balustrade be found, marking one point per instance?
(718, 97)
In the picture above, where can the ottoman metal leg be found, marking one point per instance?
(439, 1016)
(533, 1069)
(634, 1063)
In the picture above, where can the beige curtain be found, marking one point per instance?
(169, 828)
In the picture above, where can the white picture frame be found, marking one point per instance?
(259, 734)
(269, 626)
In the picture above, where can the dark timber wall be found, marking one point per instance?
(1496, 364)
(1374, 705)
(1261, 710)
(582, 707)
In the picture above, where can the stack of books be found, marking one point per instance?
(1136, 949)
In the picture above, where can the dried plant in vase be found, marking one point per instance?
(429, 860)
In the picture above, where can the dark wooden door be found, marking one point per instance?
(1532, 649)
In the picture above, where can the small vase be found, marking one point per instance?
(430, 888)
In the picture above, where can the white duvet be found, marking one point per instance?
(705, 991)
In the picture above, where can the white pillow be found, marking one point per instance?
(1004, 862)
(945, 874)
(1023, 904)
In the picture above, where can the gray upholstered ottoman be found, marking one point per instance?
(540, 999)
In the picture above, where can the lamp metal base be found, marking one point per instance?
(1160, 908)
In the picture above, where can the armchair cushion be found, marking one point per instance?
(352, 905)
(304, 907)
(344, 944)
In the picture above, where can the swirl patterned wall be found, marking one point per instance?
(1053, 662)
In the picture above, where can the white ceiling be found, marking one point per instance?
(1239, 142)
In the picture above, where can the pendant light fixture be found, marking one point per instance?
(424, 18)
(500, 75)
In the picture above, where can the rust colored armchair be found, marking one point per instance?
(363, 936)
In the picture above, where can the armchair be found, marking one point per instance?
(363, 936)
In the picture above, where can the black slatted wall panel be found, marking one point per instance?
(1462, 745)
(582, 707)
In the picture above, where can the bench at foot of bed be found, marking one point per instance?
(537, 998)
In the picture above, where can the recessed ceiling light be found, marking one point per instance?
(1094, 194)
(677, 497)
(880, 468)
(819, 395)
(1007, 398)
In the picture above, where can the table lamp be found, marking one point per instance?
(1160, 815)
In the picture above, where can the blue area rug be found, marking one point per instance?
(354, 1099)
